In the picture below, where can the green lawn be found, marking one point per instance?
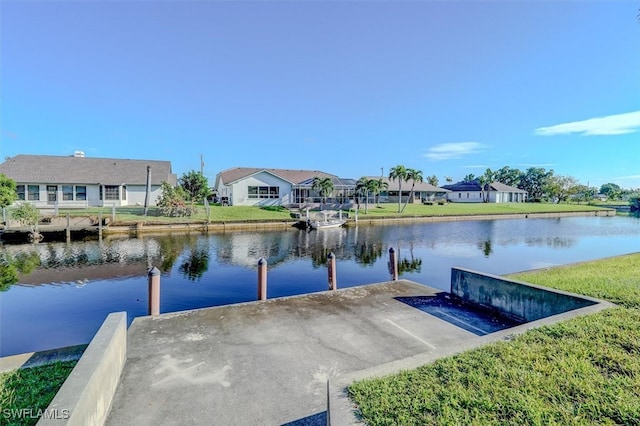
(583, 371)
(465, 209)
(25, 391)
(249, 213)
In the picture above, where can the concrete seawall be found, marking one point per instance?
(85, 397)
(515, 299)
(143, 227)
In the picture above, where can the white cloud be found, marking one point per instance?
(448, 151)
(618, 124)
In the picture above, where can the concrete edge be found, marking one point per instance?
(168, 315)
(85, 397)
(344, 411)
(36, 359)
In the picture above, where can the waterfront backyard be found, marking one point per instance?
(583, 371)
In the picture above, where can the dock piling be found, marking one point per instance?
(331, 266)
(393, 264)
(68, 230)
(154, 291)
(262, 279)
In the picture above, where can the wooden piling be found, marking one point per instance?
(68, 230)
(262, 279)
(331, 267)
(154, 291)
(393, 264)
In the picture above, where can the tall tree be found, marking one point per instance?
(8, 192)
(448, 179)
(485, 182)
(432, 180)
(469, 178)
(195, 184)
(399, 173)
(323, 186)
(381, 185)
(363, 186)
(611, 190)
(560, 188)
(413, 176)
(535, 181)
(508, 176)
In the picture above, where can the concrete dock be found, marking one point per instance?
(268, 362)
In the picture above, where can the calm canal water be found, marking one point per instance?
(64, 300)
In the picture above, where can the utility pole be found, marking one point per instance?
(201, 165)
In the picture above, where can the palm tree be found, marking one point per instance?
(485, 184)
(363, 185)
(398, 172)
(449, 179)
(433, 180)
(414, 176)
(380, 186)
(323, 186)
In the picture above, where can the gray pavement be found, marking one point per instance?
(268, 362)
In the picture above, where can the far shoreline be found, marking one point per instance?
(151, 227)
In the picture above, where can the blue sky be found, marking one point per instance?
(347, 87)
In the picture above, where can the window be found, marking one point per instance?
(459, 194)
(67, 192)
(20, 191)
(124, 192)
(34, 192)
(81, 193)
(111, 192)
(264, 192)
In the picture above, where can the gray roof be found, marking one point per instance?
(474, 185)
(85, 170)
(292, 176)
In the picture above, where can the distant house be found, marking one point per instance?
(79, 181)
(422, 191)
(470, 192)
(246, 186)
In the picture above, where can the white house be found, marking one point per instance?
(470, 192)
(79, 181)
(247, 186)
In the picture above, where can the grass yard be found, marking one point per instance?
(250, 213)
(466, 209)
(584, 371)
(24, 392)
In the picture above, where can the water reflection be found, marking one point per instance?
(11, 266)
(197, 260)
(72, 287)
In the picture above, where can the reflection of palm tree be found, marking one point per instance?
(486, 248)
(406, 265)
(198, 262)
(409, 265)
(323, 186)
(367, 254)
